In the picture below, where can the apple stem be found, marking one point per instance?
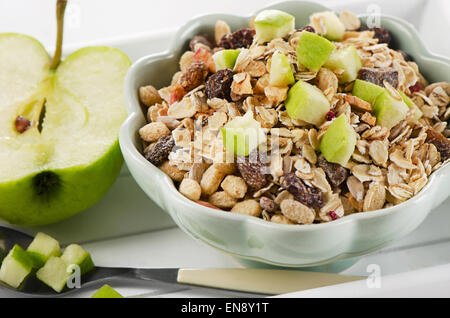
(60, 9)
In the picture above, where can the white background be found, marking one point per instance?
(94, 20)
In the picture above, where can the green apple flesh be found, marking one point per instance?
(107, 292)
(225, 59)
(333, 27)
(313, 50)
(54, 274)
(346, 59)
(42, 248)
(417, 113)
(75, 255)
(390, 110)
(308, 103)
(367, 91)
(273, 24)
(280, 70)
(242, 135)
(339, 142)
(16, 267)
(52, 173)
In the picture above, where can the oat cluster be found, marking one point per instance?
(290, 182)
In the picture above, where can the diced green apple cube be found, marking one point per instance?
(308, 103)
(273, 24)
(242, 135)
(339, 142)
(16, 266)
(76, 255)
(107, 292)
(54, 274)
(313, 50)
(280, 70)
(334, 29)
(42, 248)
(346, 59)
(225, 59)
(390, 110)
(367, 91)
(416, 110)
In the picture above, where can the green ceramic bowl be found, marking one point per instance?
(252, 238)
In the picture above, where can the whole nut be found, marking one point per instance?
(149, 96)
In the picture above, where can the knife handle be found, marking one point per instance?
(261, 281)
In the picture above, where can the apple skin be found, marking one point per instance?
(107, 292)
(280, 71)
(389, 110)
(416, 110)
(313, 50)
(273, 24)
(339, 142)
(81, 187)
(308, 103)
(335, 29)
(225, 59)
(346, 59)
(367, 91)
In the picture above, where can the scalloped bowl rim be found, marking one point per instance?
(134, 108)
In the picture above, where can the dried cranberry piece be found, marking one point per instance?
(22, 124)
(309, 196)
(240, 39)
(333, 215)
(442, 144)
(253, 171)
(378, 75)
(160, 151)
(219, 85)
(336, 174)
(194, 76)
(202, 39)
(330, 116)
(416, 88)
(268, 205)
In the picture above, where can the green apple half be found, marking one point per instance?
(66, 162)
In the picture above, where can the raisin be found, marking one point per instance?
(378, 75)
(252, 170)
(193, 77)
(382, 34)
(309, 196)
(200, 39)
(307, 28)
(160, 151)
(405, 55)
(442, 144)
(336, 174)
(240, 39)
(268, 205)
(219, 85)
(22, 124)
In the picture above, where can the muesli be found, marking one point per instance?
(297, 126)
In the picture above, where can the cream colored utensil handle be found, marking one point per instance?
(261, 281)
